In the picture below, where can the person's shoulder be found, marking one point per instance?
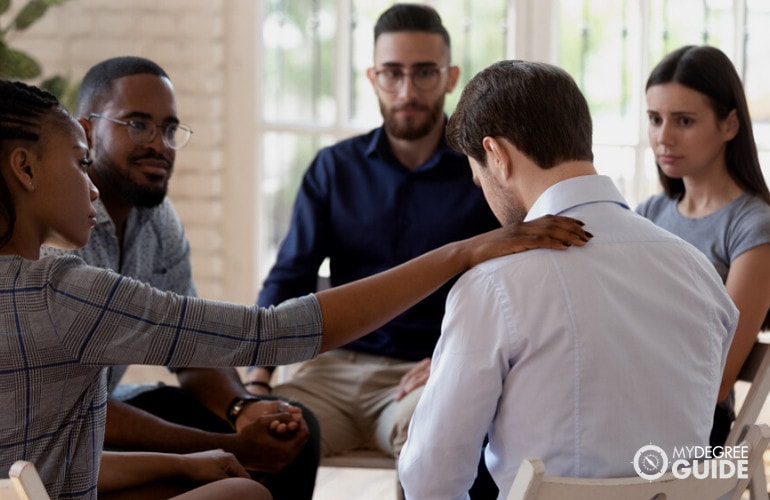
(358, 142)
(654, 205)
(523, 264)
(339, 154)
(748, 215)
(752, 205)
(53, 265)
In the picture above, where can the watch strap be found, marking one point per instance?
(236, 407)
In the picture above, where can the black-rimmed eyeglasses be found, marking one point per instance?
(142, 131)
(423, 78)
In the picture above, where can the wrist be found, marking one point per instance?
(259, 383)
(237, 406)
(459, 256)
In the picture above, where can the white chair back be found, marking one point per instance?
(531, 482)
(23, 483)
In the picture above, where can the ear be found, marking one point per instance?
(22, 169)
(453, 76)
(88, 127)
(370, 75)
(731, 125)
(498, 160)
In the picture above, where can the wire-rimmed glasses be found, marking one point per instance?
(142, 131)
(425, 78)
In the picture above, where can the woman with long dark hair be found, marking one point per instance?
(714, 195)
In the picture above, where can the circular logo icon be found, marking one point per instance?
(650, 462)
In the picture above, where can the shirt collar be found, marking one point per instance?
(576, 191)
(102, 215)
(379, 147)
(139, 213)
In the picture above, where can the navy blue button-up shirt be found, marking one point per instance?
(359, 206)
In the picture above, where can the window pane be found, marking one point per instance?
(286, 157)
(478, 34)
(757, 71)
(298, 56)
(599, 47)
(364, 110)
(764, 161)
(674, 23)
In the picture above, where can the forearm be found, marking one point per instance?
(131, 428)
(356, 308)
(257, 380)
(127, 470)
(215, 388)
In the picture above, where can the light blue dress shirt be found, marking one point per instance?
(578, 357)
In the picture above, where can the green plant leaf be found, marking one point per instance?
(55, 2)
(57, 85)
(64, 88)
(17, 65)
(30, 13)
(4, 6)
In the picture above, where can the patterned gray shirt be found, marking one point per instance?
(155, 251)
(61, 322)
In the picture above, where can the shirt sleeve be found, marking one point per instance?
(749, 229)
(102, 318)
(295, 271)
(459, 402)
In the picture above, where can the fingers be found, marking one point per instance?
(281, 428)
(233, 468)
(550, 231)
(555, 231)
(212, 465)
(414, 378)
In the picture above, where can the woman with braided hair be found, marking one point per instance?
(47, 412)
(61, 321)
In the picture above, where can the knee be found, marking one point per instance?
(401, 418)
(238, 487)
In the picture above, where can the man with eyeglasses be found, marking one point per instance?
(128, 110)
(370, 203)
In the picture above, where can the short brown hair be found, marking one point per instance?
(536, 106)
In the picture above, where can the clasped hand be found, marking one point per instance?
(271, 434)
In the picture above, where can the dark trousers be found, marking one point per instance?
(295, 482)
(484, 486)
(724, 415)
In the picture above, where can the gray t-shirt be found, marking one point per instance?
(741, 225)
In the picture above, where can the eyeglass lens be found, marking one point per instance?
(391, 79)
(143, 132)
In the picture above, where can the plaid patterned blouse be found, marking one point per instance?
(63, 321)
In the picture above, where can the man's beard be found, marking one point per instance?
(407, 129)
(137, 195)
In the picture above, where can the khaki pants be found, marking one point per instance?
(351, 395)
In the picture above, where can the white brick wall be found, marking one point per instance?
(190, 39)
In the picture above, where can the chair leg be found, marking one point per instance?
(758, 484)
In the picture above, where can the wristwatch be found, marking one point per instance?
(237, 405)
